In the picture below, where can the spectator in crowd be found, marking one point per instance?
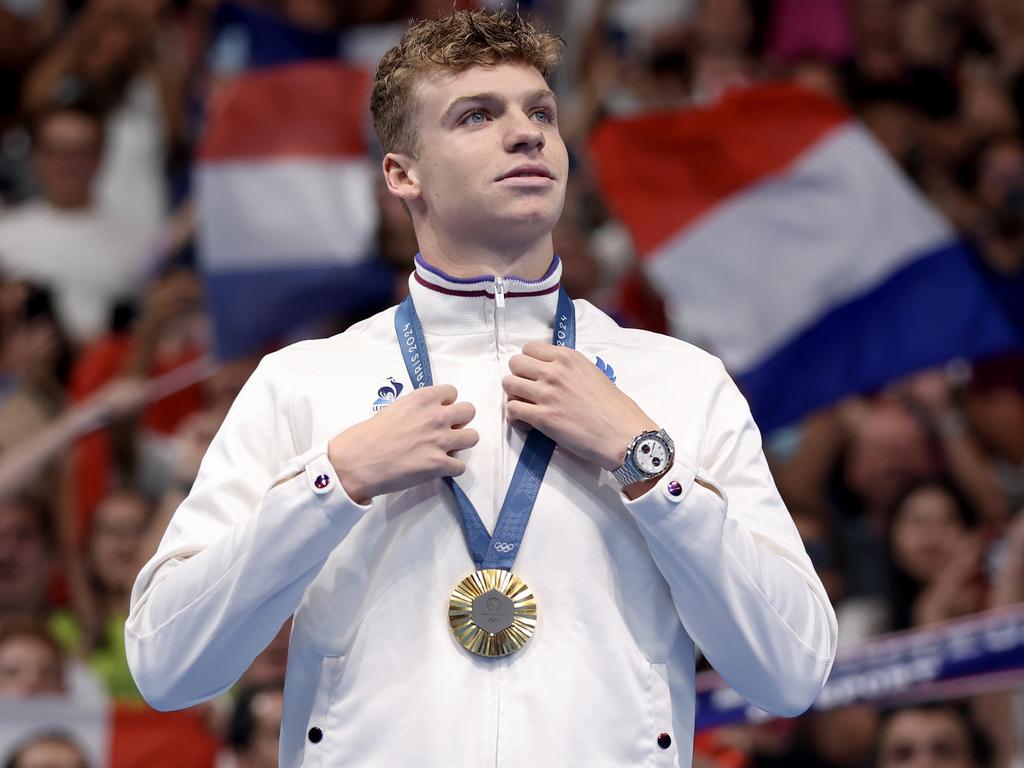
(879, 448)
(52, 750)
(255, 726)
(27, 551)
(995, 178)
(854, 464)
(31, 661)
(26, 26)
(937, 556)
(168, 331)
(34, 362)
(941, 735)
(723, 39)
(268, 668)
(89, 258)
(1008, 555)
(112, 56)
(95, 630)
(39, 446)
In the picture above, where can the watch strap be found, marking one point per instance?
(628, 474)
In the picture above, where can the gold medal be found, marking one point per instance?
(492, 613)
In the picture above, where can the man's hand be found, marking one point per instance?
(563, 394)
(407, 443)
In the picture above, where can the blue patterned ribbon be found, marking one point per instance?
(499, 550)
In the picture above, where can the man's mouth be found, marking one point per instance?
(527, 172)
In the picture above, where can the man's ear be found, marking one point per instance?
(400, 177)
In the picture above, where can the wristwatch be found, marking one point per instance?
(648, 456)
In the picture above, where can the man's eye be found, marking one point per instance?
(476, 116)
(544, 116)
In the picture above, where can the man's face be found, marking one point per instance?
(925, 739)
(490, 163)
(67, 156)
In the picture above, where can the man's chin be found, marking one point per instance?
(520, 226)
(536, 214)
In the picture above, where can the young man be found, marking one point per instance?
(567, 637)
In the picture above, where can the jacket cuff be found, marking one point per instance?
(314, 471)
(672, 490)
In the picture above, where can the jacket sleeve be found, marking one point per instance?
(741, 580)
(238, 554)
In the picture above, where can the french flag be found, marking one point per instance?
(785, 241)
(287, 214)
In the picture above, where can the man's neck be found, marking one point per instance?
(470, 260)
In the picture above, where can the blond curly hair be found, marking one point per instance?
(453, 43)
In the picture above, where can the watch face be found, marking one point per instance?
(650, 456)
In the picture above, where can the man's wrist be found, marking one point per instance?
(356, 489)
(638, 489)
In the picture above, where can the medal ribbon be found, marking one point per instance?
(499, 550)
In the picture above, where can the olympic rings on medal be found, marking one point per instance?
(502, 546)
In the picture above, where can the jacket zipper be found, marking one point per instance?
(500, 483)
(499, 318)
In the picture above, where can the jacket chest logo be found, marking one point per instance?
(606, 369)
(387, 395)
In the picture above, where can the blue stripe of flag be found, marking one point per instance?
(936, 308)
(254, 307)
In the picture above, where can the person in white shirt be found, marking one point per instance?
(379, 485)
(89, 257)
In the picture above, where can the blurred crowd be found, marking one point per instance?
(910, 500)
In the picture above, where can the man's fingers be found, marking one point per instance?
(523, 389)
(461, 414)
(540, 351)
(453, 468)
(446, 393)
(522, 412)
(461, 439)
(526, 367)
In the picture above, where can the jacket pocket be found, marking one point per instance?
(664, 746)
(319, 733)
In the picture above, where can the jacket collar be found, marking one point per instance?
(449, 305)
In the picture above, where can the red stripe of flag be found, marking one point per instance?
(312, 109)
(659, 172)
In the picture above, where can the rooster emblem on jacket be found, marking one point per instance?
(387, 394)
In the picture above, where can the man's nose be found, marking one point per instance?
(523, 134)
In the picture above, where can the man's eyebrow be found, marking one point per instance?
(491, 96)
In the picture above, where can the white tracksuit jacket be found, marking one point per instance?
(624, 588)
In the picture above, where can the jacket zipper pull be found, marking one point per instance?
(499, 292)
